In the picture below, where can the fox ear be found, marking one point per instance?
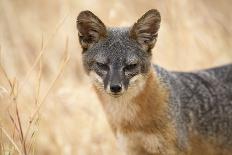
(91, 29)
(145, 30)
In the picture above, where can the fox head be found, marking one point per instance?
(117, 58)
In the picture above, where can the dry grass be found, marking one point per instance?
(47, 104)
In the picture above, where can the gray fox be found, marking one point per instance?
(153, 111)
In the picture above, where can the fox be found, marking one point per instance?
(151, 110)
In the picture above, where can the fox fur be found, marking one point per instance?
(153, 111)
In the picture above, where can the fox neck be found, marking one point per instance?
(144, 108)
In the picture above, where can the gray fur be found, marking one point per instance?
(120, 51)
(128, 50)
(201, 103)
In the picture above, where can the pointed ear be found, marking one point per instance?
(145, 30)
(91, 29)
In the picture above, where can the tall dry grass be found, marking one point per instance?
(47, 105)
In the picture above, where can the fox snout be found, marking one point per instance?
(115, 88)
(114, 82)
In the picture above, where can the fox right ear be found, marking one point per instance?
(91, 29)
(145, 30)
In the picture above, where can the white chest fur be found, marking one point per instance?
(121, 109)
(152, 143)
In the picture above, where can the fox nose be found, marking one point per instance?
(116, 88)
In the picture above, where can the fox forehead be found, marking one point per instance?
(117, 46)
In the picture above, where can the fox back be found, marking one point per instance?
(201, 101)
(153, 111)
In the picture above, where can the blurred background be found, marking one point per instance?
(47, 105)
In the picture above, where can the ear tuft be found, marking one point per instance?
(91, 29)
(145, 30)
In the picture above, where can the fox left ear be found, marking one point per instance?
(91, 29)
(145, 30)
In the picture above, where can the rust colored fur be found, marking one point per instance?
(151, 118)
(198, 146)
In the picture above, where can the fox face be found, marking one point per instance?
(117, 58)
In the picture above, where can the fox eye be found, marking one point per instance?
(130, 67)
(102, 66)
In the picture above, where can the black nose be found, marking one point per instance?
(115, 88)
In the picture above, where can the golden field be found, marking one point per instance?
(47, 105)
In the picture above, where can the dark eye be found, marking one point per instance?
(102, 66)
(131, 67)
